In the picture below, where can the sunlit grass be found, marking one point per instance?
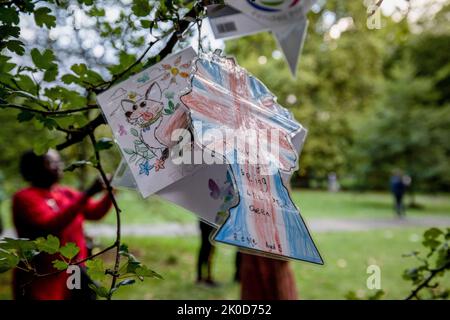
(347, 256)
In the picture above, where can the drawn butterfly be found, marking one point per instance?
(122, 130)
(225, 192)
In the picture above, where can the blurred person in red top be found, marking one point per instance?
(44, 208)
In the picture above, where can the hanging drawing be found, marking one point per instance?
(225, 98)
(286, 19)
(252, 142)
(143, 112)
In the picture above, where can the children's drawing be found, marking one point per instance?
(143, 112)
(176, 70)
(225, 192)
(225, 97)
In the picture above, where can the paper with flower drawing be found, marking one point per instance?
(142, 112)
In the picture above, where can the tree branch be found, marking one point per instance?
(80, 134)
(47, 113)
(425, 283)
(109, 188)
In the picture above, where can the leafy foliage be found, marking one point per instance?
(433, 264)
(55, 88)
(20, 252)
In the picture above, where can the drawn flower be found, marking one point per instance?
(145, 167)
(176, 70)
(159, 164)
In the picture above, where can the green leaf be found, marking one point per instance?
(43, 60)
(78, 164)
(49, 245)
(8, 260)
(377, 295)
(432, 233)
(126, 282)
(351, 295)
(70, 250)
(60, 94)
(123, 249)
(141, 8)
(5, 65)
(26, 83)
(60, 265)
(12, 31)
(103, 144)
(143, 271)
(9, 15)
(51, 73)
(97, 12)
(146, 24)
(431, 243)
(70, 78)
(79, 69)
(20, 245)
(24, 116)
(125, 60)
(99, 290)
(42, 17)
(96, 269)
(86, 2)
(85, 76)
(16, 46)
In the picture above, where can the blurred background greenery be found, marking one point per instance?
(372, 99)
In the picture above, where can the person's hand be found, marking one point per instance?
(97, 186)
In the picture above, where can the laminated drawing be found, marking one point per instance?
(224, 97)
(249, 148)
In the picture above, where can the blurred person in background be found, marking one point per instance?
(205, 255)
(398, 184)
(44, 208)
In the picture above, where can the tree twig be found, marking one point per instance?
(425, 283)
(109, 188)
(47, 113)
(377, 6)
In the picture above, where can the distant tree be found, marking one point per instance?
(410, 126)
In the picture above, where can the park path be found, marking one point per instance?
(315, 225)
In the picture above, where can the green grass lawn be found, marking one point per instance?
(346, 256)
(313, 204)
